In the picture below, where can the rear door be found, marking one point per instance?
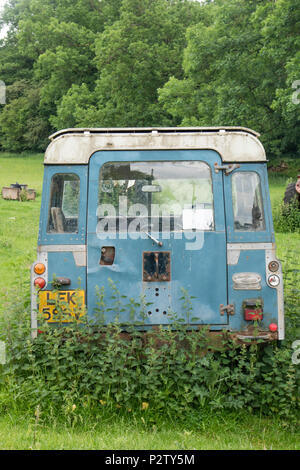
(156, 236)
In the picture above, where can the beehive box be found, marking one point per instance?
(15, 194)
(11, 193)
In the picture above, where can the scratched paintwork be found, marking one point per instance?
(206, 273)
(194, 270)
(75, 146)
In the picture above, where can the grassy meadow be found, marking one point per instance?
(18, 222)
(204, 432)
(18, 240)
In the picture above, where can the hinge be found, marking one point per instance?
(227, 168)
(227, 308)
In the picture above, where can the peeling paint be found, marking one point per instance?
(77, 146)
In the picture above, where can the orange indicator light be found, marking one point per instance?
(39, 268)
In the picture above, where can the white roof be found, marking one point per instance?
(76, 146)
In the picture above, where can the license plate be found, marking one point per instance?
(62, 306)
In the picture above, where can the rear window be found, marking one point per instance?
(247, 202)
(155, 196)
(64, 204)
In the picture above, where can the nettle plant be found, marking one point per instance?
(169, 369)
(287, 217)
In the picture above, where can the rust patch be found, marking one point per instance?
(107, 255)
(253, 335)
(156, 266)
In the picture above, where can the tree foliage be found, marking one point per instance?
(239, 70)
(70, 63)
(134, 57)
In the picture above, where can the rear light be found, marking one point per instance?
(40, 282)
(273, 266)
(39, 268)
(274, 280)
(253, 309)
(273, 327)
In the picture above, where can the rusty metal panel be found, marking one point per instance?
(107, 255)
(156, 266)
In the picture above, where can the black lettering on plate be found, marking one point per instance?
(46, 313)
(70, 298)
(49, 301)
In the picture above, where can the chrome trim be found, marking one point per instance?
(132, 130)
(267, 336)
(80, 258)
(271, 256)
(42, 257)
(79, 252)
(246, 281)
(250, 246)
(54, 248)
(233, 257)
(234, 249)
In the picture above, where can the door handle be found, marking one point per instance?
(153, 239)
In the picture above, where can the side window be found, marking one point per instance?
(64, 204)
(247, 202)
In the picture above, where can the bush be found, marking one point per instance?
(287, 215)
(168, 371)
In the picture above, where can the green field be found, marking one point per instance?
(18, 222)
(219, 432)
(18, 240)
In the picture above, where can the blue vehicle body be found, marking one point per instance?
(225, 266)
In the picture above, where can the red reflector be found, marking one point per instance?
(253, 314)
(253, 309)
(273, 327)
(40, 282)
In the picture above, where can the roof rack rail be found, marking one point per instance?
(145, 130)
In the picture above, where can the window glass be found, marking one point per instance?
(247, 202)
(64, 204)
(155, 196)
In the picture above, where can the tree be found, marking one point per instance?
(23, 127)
(151, 63)
(50, 44)
(134, 57)
(236, 69)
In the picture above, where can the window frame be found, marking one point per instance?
(236, 236)
(65, 238)
(62, 203)
(234, 176)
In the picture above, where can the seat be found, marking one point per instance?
(58, 219)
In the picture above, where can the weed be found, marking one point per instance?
(165, 371)
(287, 217)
